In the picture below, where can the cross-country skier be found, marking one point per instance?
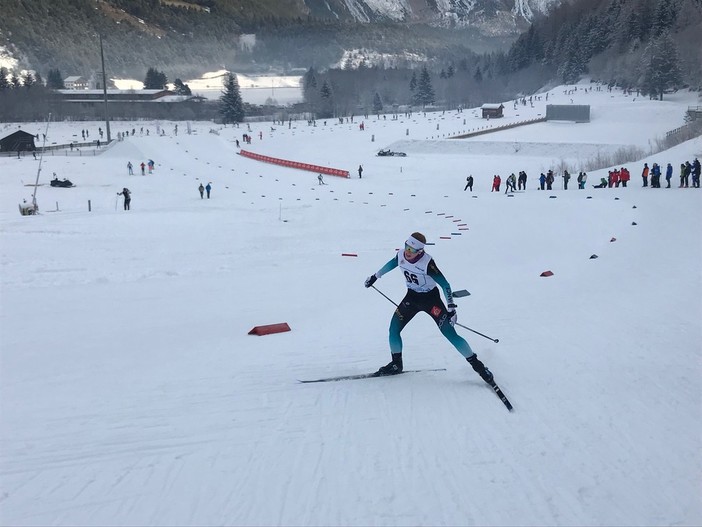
(422, 277)
(127, 197)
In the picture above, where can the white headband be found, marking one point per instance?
(415, 243)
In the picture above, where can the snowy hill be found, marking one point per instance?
(132, 394)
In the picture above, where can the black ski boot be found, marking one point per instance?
(480, 369)
(394, 367)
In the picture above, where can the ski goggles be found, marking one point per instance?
(411, 249)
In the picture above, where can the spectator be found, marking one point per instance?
(549, 180)
(644, 175)
(522, 180)
(496, 180)
(688, 171)
(625, 176)
(603, 184)
(696, 173)
(469, 183)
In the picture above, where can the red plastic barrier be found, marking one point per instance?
(295, 164)
(270, 328)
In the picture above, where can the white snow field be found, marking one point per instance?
(132, 394)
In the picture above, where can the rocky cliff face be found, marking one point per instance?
(491, 17)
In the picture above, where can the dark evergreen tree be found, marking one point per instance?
(661, 67)
(574, 64)
(231, 107)
(377, 103)
(478, 76)
(155, 80)
(664, 17)
(310, 93)
(424, 94)
(15, 81)
(4, 78)
(27, 79)
(413, 82)
(327, 101)
(180, 88)
(54, 80)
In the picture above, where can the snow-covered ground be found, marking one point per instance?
(131, 393)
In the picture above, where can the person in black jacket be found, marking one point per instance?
(469, 184)
(127, 197)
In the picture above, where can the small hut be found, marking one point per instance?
(492, 110)
(17, 141)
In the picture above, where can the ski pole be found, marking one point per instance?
(457, 324)
(386, 296)
(478, 333)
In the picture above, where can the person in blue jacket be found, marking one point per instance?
(422, 277)
(668, 174)
(656, 176)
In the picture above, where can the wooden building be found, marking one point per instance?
(18, 141)
(492, 110)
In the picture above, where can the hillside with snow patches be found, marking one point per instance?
(132, 394)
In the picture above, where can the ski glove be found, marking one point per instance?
(370, 280)
(452, 314)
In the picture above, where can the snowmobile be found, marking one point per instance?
(57, 183)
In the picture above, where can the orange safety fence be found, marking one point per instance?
(295, 164)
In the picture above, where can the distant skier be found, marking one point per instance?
(208, 188)
(127, 197)
(469, 184)
(202, 191)
(422, 277)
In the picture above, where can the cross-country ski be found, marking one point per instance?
(366, 376)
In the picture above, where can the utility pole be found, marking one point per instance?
(104, 92)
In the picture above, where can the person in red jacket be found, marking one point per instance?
(625, 176)
(496, 183)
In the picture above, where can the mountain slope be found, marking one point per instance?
(183, 35)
